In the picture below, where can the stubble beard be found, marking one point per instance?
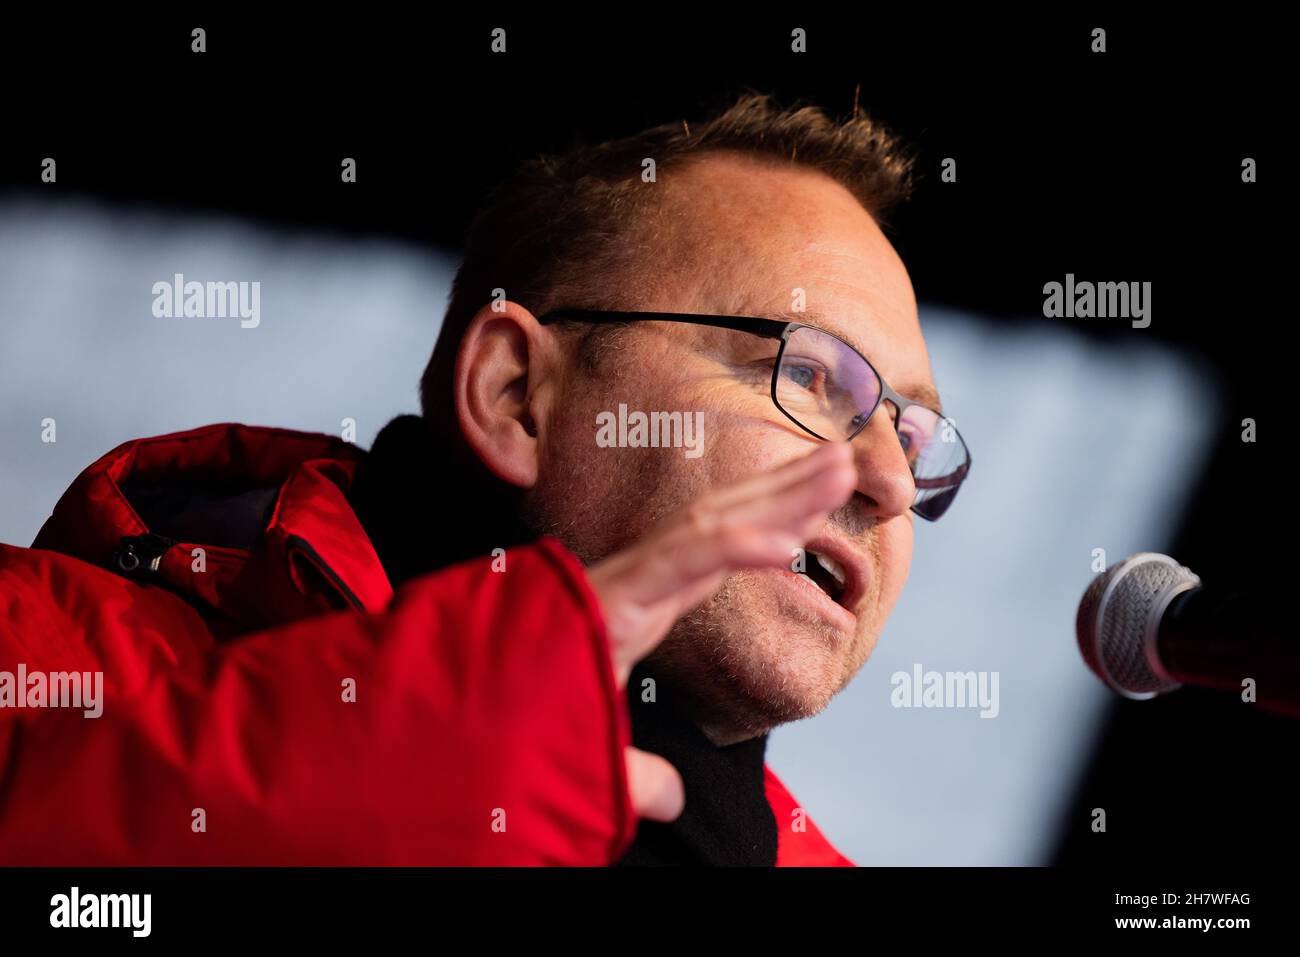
(743, 669)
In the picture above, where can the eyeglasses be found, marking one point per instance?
(830, 390)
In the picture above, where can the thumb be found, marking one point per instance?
(656, 787)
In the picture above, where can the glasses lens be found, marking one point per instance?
(824, 385)
(938, 458)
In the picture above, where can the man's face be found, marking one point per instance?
(742, 238)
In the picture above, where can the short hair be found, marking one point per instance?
(560, 231)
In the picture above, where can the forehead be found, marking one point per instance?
(744, 236)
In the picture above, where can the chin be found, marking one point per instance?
(796, 675)
(755, 662)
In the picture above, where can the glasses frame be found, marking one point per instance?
(782, 330)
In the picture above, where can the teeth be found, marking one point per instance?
(832, 566)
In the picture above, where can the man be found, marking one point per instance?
(583, 637)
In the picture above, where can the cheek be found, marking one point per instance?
(611, 496)
(745, 434)
(894, 541)
(738, 448)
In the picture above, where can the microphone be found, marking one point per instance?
(1148, 626)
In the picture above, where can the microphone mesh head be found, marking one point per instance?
(1118, 618)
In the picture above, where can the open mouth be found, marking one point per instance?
(827, 574)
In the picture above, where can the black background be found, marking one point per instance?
(1125, 165)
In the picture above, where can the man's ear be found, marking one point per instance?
(505, 362)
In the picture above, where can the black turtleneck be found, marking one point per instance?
(425, 507)
(727, 820)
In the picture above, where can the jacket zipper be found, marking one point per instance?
(140, 554)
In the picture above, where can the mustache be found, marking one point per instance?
(853, 520)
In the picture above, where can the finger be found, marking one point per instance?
(645, 588)
(789, 475)
(751, 533)
(655, 786)
(800, 493)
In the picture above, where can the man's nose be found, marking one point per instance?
(884, 477)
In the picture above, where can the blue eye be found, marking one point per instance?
(803, 376)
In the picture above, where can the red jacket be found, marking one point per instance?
(483, 724)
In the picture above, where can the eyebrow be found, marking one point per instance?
(921, 392)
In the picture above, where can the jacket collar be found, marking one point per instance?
(312, 554)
